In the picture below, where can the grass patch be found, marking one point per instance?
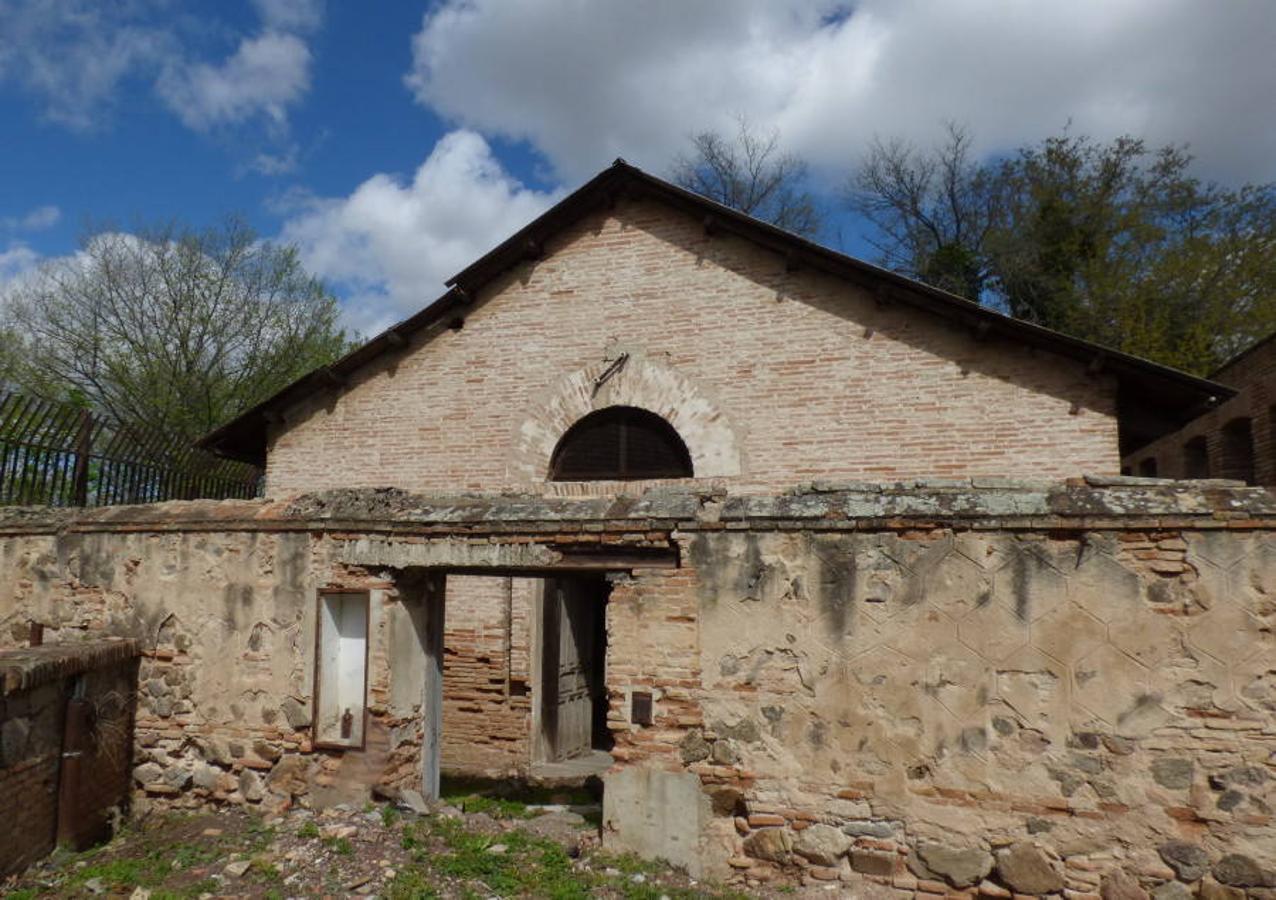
(340, 845)
(308, 830)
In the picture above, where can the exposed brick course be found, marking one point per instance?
(809, 375)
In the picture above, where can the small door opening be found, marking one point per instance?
(573, 704)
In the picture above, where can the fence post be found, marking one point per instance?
(83, 448)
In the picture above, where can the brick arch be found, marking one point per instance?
(638, 381)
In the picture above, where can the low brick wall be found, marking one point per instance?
(36, 685)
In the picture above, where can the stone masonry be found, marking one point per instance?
(944, 687)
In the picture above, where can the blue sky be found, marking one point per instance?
(394, 141)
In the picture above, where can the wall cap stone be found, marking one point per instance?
(959, 503)
(24, 668)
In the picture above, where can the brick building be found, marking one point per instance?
(1235, 438)
(775, 361)
(822, 570)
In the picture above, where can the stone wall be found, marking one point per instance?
(812, 378)
(36, 685)
(935, 687)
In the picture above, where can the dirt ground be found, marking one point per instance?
(473, 845)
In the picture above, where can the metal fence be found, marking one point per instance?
(53, 454)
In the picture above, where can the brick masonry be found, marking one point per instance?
(772, 378)
(904, 684)
(1253, 374)
(35, 686)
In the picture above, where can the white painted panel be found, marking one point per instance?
(343, 649)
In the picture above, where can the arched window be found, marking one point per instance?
(620, 443)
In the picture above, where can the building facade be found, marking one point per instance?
(819, 570)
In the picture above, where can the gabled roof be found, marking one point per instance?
(1153, 399)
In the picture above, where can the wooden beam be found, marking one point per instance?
(791, 263)
(462, 295)
(394, 339)
(981, 330)
(332, 377)
(533, 249)
(457, 323)
(710, 225)
(1096, 365)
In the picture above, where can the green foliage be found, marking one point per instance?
(169, 328)
(308, 830)
(1113, 242)
(410, 884)
(340, 846)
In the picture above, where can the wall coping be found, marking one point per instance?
(1089, 503)
(24, 668)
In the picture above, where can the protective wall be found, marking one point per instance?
(934, 687)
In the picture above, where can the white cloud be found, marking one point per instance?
(77, 56)
(290, 15)
(37, 219)
(587, 82)
(73, 54)
(16, 262)
(266, 75)
(389, 245)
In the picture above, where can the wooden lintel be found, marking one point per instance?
(982, 329)
(1096, 365)
(710, 225)
(791, 263)
(394, 339)
(333, 377)
(880, 296)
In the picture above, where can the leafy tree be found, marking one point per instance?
(932, 210)
(1111, 241)
(169, 328)
(749, 172)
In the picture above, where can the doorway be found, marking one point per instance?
(571, 734)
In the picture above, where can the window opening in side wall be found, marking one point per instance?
(1237, 456)
(1196, 458)
(341, 668)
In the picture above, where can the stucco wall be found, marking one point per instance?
(771, 377)
(906, 685)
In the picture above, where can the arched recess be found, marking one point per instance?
(627, 380)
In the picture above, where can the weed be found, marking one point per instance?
(410, 884)
(340, 845)
(308, 830)
(389, 816)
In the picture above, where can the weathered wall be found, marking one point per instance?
(36, 686)
(927, 685)
(812, 378)
(1101, 694)
(487, 676)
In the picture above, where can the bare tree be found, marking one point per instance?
(932, 210)
(748, 171)
(170, 328)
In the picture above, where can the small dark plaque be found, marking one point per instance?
(640, 713)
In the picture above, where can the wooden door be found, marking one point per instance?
(570, 611)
